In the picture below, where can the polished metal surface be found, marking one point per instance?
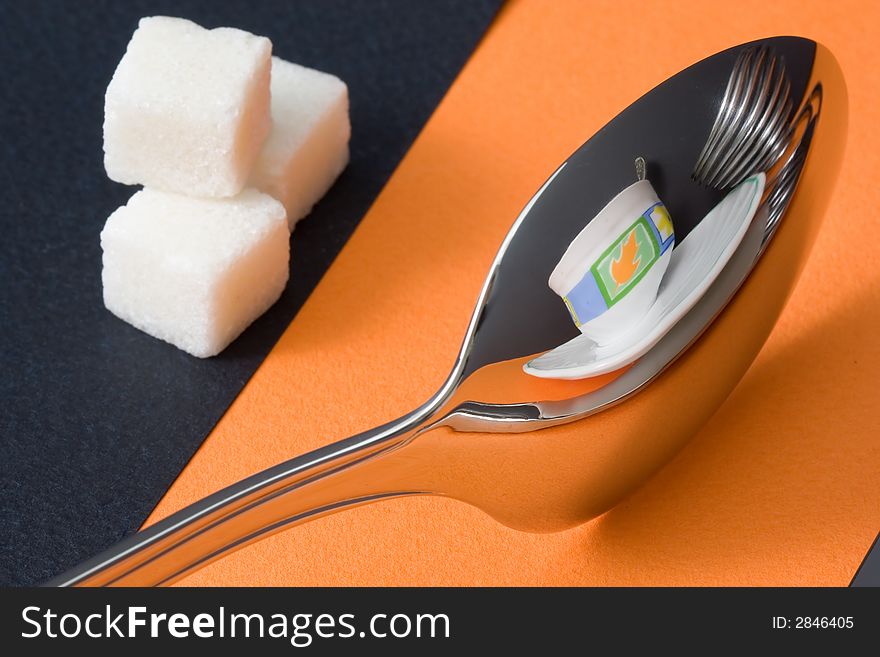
(474, 421)
(752, 128)
(781, 187)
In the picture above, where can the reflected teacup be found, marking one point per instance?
(609, 275)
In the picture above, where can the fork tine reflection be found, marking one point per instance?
(751, 130)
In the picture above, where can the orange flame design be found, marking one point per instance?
(622, 269)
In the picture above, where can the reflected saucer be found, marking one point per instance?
(696, 262)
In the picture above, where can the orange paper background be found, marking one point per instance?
(781, 487)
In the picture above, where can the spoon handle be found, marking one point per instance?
(358, 470)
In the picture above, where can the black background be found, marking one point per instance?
(96, 418)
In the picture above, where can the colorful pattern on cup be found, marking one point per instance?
(622, 265)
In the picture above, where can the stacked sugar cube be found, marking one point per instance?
(232, 146)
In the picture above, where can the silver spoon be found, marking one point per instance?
(546, 481)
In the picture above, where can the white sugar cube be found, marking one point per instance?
(187, 109)
(307, 147)
(194, 272)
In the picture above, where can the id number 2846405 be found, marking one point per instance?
(813, 622)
